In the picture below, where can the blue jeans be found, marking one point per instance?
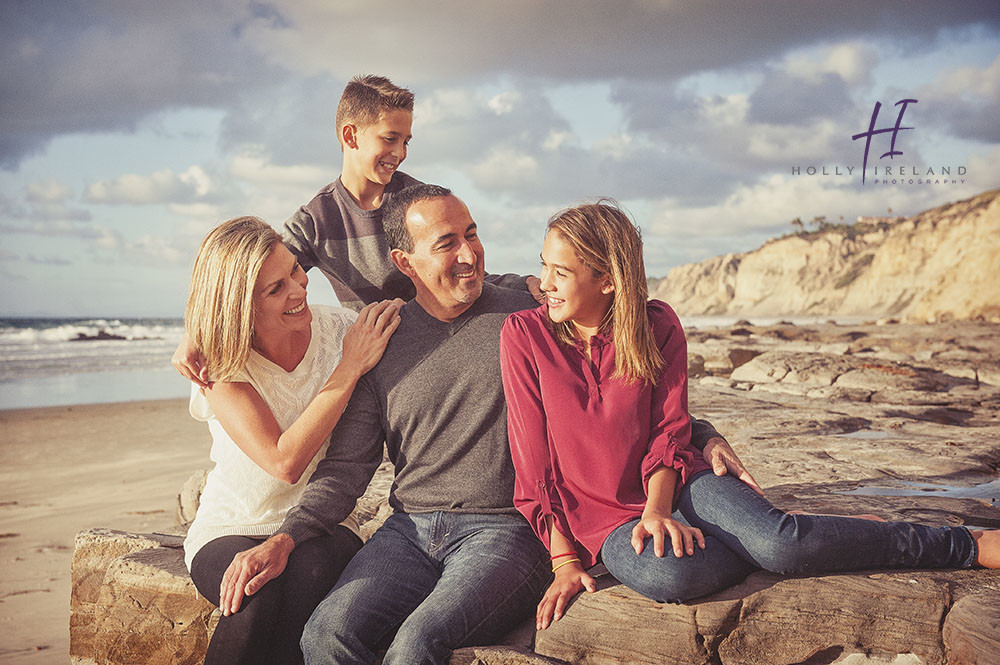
(426, 584)
(744, 533)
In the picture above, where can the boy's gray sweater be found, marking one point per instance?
(350, 247)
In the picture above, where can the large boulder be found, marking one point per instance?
(770, 619)
(134, 602)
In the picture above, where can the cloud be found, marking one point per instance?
(966, 101)
(47, 200)
(48, 260)
(53, 228)
(47, 191)
(255, 166)
(11, 209)
(787, 99)
(516, 146)
(660, 40)
(768, 206)
(721, 132)
(163, 186)
(108, 68)
(78, 68)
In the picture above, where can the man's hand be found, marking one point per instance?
(723, 460)
(535, 288)
(252, 569)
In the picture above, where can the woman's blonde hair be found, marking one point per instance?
(605, 240)
(220, 313)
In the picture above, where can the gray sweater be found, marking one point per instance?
(436, 400)
(350, 247)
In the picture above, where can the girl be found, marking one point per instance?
(281, 374)
(596, 385)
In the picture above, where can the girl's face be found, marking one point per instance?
(279, 296)
(572, 291)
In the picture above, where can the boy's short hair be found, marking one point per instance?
(366, 98)
(395, 209)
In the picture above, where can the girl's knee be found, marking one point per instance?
(787, 552)
(655, 579)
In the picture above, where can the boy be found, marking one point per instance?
(340, 230)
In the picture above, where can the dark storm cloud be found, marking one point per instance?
(783, 98)
(105, 66)
(589, 39)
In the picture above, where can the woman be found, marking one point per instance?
(281, 375)
(596, 385)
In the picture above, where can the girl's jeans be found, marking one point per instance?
(744, 532)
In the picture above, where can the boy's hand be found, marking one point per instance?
(535, 288)
(190, 363)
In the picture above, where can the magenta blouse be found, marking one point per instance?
(584, 445)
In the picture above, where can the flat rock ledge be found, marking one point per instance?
(133, 602)
(897, 420)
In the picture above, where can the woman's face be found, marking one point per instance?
(572, 291)
(279, 296)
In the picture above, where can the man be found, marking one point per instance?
(455, 564)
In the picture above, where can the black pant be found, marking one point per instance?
(269, 624)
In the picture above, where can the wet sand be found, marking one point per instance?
(65, 469)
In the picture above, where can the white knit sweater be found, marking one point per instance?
(239, 497)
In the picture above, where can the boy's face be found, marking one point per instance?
(377, 150)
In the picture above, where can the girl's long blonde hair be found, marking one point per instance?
(219, 316)
(606, 241)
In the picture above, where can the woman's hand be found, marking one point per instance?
(366, 340)
(682, 536)
(570, 580)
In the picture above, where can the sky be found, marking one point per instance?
(129, 129)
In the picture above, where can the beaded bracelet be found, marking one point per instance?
(565, 563)
(559, 556)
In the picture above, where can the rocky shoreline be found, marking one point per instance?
(893, 419)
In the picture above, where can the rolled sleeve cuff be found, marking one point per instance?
(680, 460)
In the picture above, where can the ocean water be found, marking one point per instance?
(43, 361)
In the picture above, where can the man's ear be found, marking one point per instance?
(349, 136)
(402, 261)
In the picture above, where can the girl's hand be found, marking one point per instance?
(366, 339)
(569, 581)
(682, 536)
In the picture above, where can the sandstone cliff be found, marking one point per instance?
(938, 265)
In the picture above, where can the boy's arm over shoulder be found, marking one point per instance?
(530, 284)
(299, 236)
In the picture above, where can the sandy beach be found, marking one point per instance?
(898, 420)
(65, 469)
